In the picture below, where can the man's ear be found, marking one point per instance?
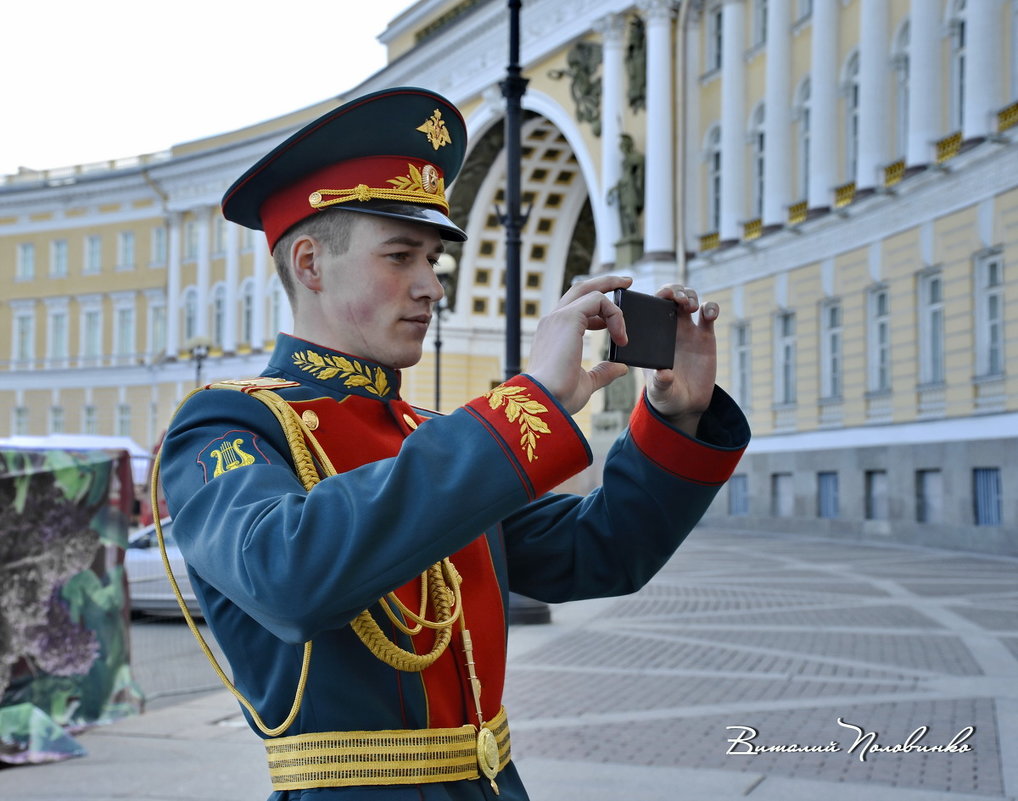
(306, 259)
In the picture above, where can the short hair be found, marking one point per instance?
(331, 227)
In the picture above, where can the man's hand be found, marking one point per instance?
(557, 349)
(681, 395)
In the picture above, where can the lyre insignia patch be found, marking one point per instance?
(233, 450)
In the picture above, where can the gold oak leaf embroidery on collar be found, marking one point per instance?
(434, 127)
(324, 366)
(520, 406)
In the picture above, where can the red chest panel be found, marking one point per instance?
(357, 431)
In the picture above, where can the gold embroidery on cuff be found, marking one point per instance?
(520, 406)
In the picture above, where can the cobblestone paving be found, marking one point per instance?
(769, 640)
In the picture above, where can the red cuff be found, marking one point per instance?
(537, 435)
(680, 455)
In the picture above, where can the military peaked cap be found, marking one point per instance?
(389, 153)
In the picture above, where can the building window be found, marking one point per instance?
(275, 307)
(56, 419)
(785, 356)
(123, 420)
(23, 350)
(827, 495)
(802, 114)
(58, 258)
(877, 507)
(782, 495)
(713, 159)
(25, 270)
(879, 340)
(830, 350)
(756, 137)
(89, 420)
(125, 250)
(989, 317)
(93, 254)
(20, 422)
(929, 496)
(741, 364)
(190, 314)
(931, 328)
(805, 8)
(56, 345)
(738, 495)
(124, 337)
(901, 70)
(219, 236)
(157, 333)
(957, 33)
(190, 240)
(247, 313)
(158, 245)
(986, 496)
(714, 34)
(851, 89)
(219, 316)
(91, 337)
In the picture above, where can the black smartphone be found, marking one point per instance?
(650, 324)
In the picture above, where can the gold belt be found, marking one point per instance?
(395, 756)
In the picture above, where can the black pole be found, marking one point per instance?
(521, 609)
(438, 356)
(513, 88)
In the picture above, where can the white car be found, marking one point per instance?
(148, 587)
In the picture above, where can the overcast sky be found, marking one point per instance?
(91, 81)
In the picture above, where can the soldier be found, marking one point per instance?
(353, 554)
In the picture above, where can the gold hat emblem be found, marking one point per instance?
(434, 127)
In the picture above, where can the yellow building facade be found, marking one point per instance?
(838, 174)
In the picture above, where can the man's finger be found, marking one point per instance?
(606, 372)
(599, 283)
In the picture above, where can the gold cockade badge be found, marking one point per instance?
(434, 127)
(519, 406)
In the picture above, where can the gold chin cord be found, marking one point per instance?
(440, 583)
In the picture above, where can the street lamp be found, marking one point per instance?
(444, 271)
(198, 347)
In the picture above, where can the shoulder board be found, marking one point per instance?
(252, 384)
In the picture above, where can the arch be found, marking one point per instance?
(491, 112)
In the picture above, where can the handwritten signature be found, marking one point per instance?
(865, 743)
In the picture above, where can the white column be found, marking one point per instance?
(873, 80)
(823, 135)
(204, 271)
(733, 119)
(778, 114)
(173, 343)
(924, 80)
(982, 65)
(659, 181)
(611, 29)
(232, 245)
(259, 274)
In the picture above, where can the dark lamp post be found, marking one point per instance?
(198, 347)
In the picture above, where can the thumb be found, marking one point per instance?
(606, 372)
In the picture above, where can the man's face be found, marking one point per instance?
(377, 297)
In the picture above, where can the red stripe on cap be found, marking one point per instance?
(287, 207)
(680, 455)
